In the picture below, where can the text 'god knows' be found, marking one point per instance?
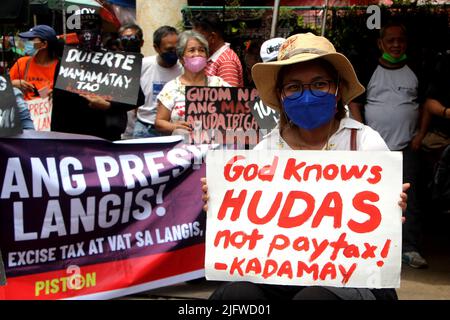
(299, 170)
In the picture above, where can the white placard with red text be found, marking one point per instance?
(41, 113)
(304, 217)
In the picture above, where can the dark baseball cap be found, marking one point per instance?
(40, 31)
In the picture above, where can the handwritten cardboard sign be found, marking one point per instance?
(115, 76)
(10, 124)
(304, 217)
(41, 113)
(218, 109)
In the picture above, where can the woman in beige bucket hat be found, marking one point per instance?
(309, 85)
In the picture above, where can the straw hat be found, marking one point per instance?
(301, 48)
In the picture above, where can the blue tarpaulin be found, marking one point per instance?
(124, 3)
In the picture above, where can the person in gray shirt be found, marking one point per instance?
(391, 107)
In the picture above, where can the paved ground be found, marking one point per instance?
(432, 283)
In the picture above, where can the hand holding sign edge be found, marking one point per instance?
(96, 102)
(404, 199)
(205, 196)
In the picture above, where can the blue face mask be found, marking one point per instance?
(308, 111)
(29, 48)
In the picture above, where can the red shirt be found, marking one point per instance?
(225, 63)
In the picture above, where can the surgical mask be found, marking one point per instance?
(308, 111)
(29, 48)
(131, 44)
(195, 64)
(170, 58)
(386, 56)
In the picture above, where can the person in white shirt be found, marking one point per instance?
(157, 70)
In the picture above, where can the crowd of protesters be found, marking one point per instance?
(390, 111)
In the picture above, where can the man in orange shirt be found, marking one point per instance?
(34, 74)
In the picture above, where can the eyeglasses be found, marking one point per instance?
(319, 88)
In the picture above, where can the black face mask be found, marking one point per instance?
(89, 40)
(169, 57)
(130, 44)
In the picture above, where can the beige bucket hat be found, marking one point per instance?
(301, 48)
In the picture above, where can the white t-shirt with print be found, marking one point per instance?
(173, 96)
(153, 79)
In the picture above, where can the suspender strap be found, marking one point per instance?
(27, 68)
(353, 145)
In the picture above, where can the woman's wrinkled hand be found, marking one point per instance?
(205, 196)
(182, 125)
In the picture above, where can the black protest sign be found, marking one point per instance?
(114, 76)
(221, 108)
(266, 117)
(10, 124)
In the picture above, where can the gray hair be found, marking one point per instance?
(185, 36)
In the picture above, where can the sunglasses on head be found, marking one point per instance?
(131, 37)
